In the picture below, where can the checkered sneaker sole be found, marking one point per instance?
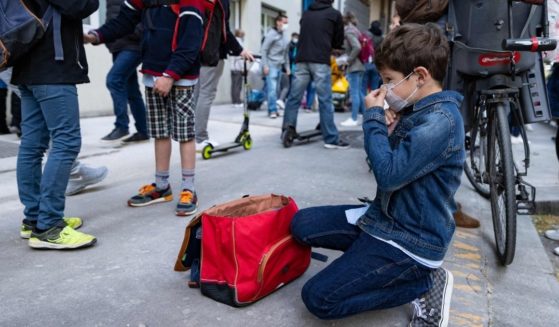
(171, 116)
(433, 309)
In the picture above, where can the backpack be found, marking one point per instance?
(214, 26)
(421, 11)
(367, 53)
(240, 251)
(20, 30)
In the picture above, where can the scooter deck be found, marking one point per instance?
(225, 147)
(308, 134)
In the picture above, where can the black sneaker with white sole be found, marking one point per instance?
(136, 137)
(433, 308)
(116, 134)
(340, 145)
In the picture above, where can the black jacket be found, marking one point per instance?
(322, 30)
(229, 45)
(129, 42)
(38, 65)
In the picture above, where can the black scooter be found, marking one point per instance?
(243, 139)
(289, 135)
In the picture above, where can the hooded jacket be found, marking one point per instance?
(322, 29)
(130, 42)
(38, 67)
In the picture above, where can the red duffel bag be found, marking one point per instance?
(243, 249)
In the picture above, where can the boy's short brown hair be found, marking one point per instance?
(412, 45)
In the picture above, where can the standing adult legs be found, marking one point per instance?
(301, 77)
(204, 95)
(323, 85)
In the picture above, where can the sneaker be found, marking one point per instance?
(280, 104)
(556, 251)
(552, 234)
(273, 115)
(136, 137)
(349, 123)
(239, 105)
(85, 176)
(188, 203)
(26, 227)
(340, 145)
(201, 145)
(116, 134)
(433, 309)
(516, 140)
(59, 238)
(150, 194)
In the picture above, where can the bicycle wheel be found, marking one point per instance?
(501, 183)
(476, 158)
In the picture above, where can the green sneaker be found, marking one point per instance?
(150, 194)
(60, 238)
(26, 228)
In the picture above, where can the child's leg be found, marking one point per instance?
(325, 227)
(370, 275)
(182, 104)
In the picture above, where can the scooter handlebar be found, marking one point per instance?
(534, 44)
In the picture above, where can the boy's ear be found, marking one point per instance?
(423, 74)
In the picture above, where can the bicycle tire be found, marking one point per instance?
(502, 183)
(475, 163)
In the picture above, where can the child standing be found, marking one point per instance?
(170, 64)
(394, 247)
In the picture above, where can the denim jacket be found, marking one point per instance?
(418, 170)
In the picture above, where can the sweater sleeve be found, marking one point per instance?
(189, 39)
(129, 16)
(354, 47)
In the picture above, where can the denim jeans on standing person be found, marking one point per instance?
(320, 74)
(370, 274)
(355, 80)
(49, 113)
(272, 80)
(122, 82)
(371, 78)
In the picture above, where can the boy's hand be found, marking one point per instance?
(392, 119)
(163, 85)
(375, 98)
(90, 38)
(265, 70)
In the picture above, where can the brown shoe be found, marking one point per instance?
(464, 220)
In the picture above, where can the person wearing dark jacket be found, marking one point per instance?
(322, 30)
(50, 113)
(122, 82)
(223, 39)
(170, 63)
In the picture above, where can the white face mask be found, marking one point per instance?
(285, 26)
(394, 101)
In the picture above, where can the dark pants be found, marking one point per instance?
(122, 82)
(236, 86)
(370, 275)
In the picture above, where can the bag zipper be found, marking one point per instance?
(267, 256)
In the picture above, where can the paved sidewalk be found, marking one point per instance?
(127, 279)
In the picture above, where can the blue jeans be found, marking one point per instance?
(272, 80)
(49, 113)
(355, 80)
(321, 76)
(371, 79)
(122, 82)
(370, 274)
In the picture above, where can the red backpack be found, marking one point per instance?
(242, 250)
(367, 53)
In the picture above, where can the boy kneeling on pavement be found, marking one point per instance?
(394, 247)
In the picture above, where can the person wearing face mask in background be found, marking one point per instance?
(274, 57)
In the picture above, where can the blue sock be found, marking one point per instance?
(188, 179)
(162, 179)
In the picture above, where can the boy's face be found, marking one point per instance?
(404, 86)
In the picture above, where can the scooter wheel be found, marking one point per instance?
(207, 152)
(287, 138)
(247, 143)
